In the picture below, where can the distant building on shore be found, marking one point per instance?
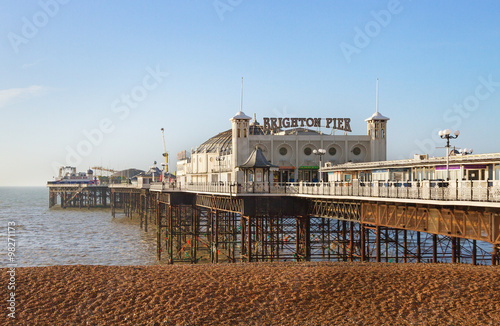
(128, 173)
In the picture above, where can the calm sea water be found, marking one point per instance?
(46, 237)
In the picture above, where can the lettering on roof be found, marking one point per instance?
(333, 123)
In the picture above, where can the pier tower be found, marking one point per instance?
(241, 146)
(377, 130)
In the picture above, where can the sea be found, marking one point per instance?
(46, 237)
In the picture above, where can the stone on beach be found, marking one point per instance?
(257, 294)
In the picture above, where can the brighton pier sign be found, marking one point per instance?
(334, 123)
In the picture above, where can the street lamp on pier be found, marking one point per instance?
(446, 134)
(466, 151)
(163, 165)
(153, 171)
(219, 158)
(320, 152)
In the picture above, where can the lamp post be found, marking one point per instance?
(446, 134)
(320, 152)
(219, 159)
(153, 170)
(466, 151)
(163, 165)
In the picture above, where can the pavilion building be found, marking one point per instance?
(291, 149)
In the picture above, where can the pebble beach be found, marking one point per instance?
(256, 294)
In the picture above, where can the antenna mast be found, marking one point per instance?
(241, 104)
(377, 95)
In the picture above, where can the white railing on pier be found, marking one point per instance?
(487, 191)
(160, 186)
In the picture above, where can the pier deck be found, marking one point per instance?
(219, 223)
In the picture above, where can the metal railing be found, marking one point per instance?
(479, 191)
(487, 191)
(427, 190)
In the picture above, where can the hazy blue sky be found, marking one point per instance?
(92, 82)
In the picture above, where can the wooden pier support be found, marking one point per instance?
(177, 233)
(223, 230)
(474, 252)
(377, 243)
(78, 196)
(351, 241)
(303, 238)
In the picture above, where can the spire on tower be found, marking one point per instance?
(241, 104)
(377, 115)
(240, 115)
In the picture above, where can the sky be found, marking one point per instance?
(91, 83)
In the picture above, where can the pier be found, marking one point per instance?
(78, 195)
(229, 202)
(331, 221)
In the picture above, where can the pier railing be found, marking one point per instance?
(428, 190)
(486, 191)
